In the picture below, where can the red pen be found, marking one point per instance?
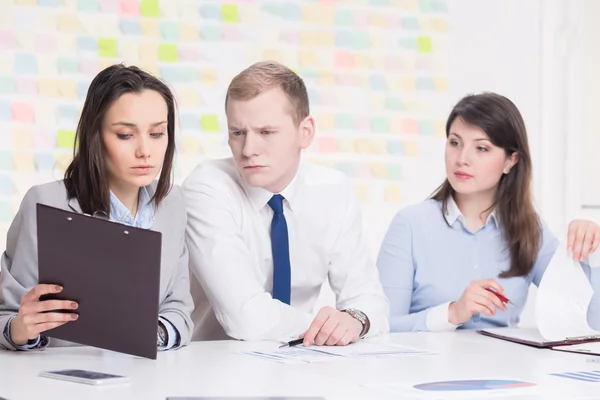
(502, 298)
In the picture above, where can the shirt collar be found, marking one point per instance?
(453, 213)
(144, 217)
(259, 197)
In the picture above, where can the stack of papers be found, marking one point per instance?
(318, 354)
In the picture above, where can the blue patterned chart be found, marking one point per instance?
(585, 376)
(471, 385)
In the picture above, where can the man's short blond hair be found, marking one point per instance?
(266, 75)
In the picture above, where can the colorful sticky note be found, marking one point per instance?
(188, 97)
(87, 5)
(394, 172)
(5, 110)
(326, 78)
(364, 146)
(130, 26)
(68, 23)
(210, 123)
(426, 126)
(229, 13)
(6, 212)
(425, 83)
(107, 47)
(410, 126)
(344, 121)
(309, 59)
(287, 35)
(47, 87)
(378, 82)
(67, 65)
(424, 44)
(44, 161)
(363, 60)
(148, 52)
(44, 138)
(363, 192)
(63, 161)
(167, 52)
(395, 147)
(47, 3)
(190, 145)
(87, 43)
(7, 85)
(22, 137)
(273, 9)
(346, 167)
(22, 112)
(45, 113)
(210, 33)
(345, 145)
(26, 2)
(24, 161)
(210, 11)
(150, 28)
(169, 31)
(209, 77)
(188, 33)
(378, 19)
(393, 193)
(7, 188)
(439, 24)
(45, 43)
(394, 103)
(326, 145)
(66, 139)
(150, 8)
(409, 23)
(68, 113)
(189, 53)
(379, 170)
(440, 128)
(412, 148)
(109, 6)
(67, 89)
(189, 121)
(344, 17)
(379, 125)
(291, 12)
(82, 89)
(6, 160)
(129, 8)
(25, 63)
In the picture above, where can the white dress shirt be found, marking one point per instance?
(228, 236)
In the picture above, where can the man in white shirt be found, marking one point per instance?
(265, 230)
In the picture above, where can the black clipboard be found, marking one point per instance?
(111, 270)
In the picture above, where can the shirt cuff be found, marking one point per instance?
(30, 345)
(173, 337)
(437, 319)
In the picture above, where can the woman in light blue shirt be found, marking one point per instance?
(478, 232)
(125, 139)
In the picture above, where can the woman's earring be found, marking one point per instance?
(507, 170)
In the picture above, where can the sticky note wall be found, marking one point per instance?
(375, 71)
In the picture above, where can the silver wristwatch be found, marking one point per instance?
(360, 317)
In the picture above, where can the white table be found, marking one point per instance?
(216, 369)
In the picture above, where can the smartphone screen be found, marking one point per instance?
(83, 376)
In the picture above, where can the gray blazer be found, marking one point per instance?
(20, 269)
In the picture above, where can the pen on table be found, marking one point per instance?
(292, 343)
(502, 298)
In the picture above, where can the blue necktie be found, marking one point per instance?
(280, 247)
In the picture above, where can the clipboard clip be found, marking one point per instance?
(583, 338)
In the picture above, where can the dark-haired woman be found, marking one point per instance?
(125, 138)
(478, 232)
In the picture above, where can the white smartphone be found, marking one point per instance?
(87, 377)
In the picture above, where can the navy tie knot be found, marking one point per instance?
(276, 203)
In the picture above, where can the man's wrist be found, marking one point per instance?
(361, 318)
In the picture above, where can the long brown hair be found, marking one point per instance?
(85, 178)
(500, 119)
